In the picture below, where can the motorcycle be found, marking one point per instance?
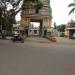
(18, 37)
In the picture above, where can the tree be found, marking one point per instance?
(8, 16)
(61, 27)
(16, 6)
(73, 7)
(0, 16)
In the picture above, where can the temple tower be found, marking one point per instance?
(43, 16)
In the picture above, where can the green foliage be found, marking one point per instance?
(61, 34)
(7, 18)
(61, 28)
(72, 5)
(0, 15)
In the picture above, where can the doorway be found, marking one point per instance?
(35, 27)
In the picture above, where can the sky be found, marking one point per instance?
(60, 11)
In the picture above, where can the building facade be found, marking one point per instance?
(43, 16)
(70, 30)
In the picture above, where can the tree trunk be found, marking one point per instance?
(9, 30)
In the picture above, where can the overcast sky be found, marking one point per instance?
(60, 11)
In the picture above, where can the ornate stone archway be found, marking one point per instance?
(44, 16)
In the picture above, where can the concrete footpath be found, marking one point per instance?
(59, 40)
(37, 39)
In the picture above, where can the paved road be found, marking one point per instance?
(35, 58)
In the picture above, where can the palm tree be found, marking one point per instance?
(72, 5)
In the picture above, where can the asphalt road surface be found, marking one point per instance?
(35, 58)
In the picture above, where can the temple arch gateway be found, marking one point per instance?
(43, 16)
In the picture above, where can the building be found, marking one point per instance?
(70, 29)
(34, 30)
(16, 26)
(43, 16)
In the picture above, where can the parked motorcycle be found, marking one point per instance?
(18, 37)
